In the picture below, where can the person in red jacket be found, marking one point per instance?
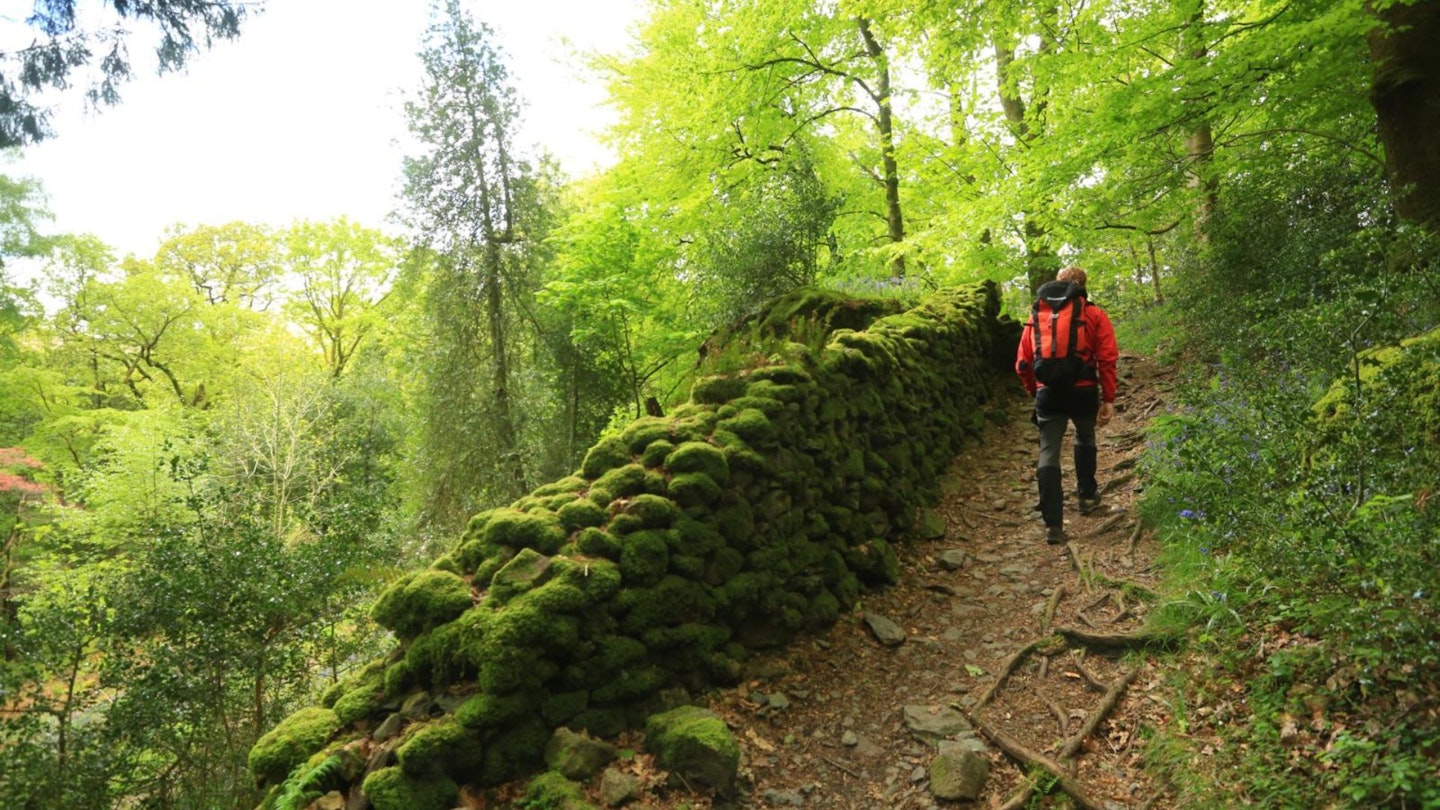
(1088, 402)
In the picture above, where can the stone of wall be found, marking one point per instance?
(759, 510)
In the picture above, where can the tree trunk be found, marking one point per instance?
(1200, 144)
(895, 223)
(504, 411)
(1405, 92)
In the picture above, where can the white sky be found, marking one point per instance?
(299, 118)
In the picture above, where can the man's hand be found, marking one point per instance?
(1107, 410)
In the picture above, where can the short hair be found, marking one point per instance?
(1072, 273)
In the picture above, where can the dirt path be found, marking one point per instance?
(824, 724)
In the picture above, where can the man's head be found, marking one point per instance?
(1074, 274)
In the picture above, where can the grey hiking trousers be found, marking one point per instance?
(1054, 411)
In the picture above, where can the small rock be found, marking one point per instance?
(918, 775)
(618, 787)
(389, 728)
(929, 724)
(885, 630)
(784, 798)
(334, 800)
(953, 560)
(850, 739)
(778, 701)
(956, 773)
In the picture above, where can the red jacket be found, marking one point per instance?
(1101, 352)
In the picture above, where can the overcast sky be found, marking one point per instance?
(299, 118)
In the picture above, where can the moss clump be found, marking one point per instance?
(509, 528)
(552, 791)
(695, 489)
(393, 789)
(422, 600)
(716, 389)
(639, 434)
(656, 452)
(644, 557)
(595, 542)
(607, 454)
(527, 570)
(291, 743)
(442, 745)
(515, 751)
(619, 482)
(874, 562)
(696, 744)
(559, 708)
(486, 711)
(700, 457)
(358, 704)
(581, 513)
(654, 511)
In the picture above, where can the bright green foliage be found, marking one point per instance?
(292, 742)
(422, 600)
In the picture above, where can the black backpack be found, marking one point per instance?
(1057, 321)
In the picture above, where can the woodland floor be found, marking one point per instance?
(963, 629)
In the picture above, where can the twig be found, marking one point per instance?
(1104, 597)
(1025, 756)
(837, 766)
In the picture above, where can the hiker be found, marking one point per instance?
(1068, 366)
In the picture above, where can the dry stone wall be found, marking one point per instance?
(759, 510)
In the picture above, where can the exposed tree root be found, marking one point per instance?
(1008, 668)
(1118, 642)
(1033, 759)
(1109, 525)
(1050, 605)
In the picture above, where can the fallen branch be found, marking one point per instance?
(1099, 642)
(1025, 756)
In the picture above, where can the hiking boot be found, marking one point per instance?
(1055, 535)
(1089, 503)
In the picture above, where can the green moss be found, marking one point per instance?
(514, 529)
(580, 513)
(358, 704)
(514, 752)
(607, 454)
(598, 543)
(487, 711)
(722, 565)
(552, 791)
(654, 511)
(699, 457)
(600, 580)
(736, 523)
(631, 685)
(717, 389)
(422, 600)
(695, 743)
(399, 677)
(674, 600)
(640, 433)
(527, 570)
(560, 708)
(694, 489)
(622, 524)
(393, 789)
(621, 482)
(693, 637)
(292, 742)
(644, 557)
(570, 484)
(656, 452)
(874, 562)
(441, 745)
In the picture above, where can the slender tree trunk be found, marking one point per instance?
(885, 120)
(1200, 143)
(1040, 263)
(504, 413)
(1405, 92)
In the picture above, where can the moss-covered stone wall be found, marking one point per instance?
(758, 510)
